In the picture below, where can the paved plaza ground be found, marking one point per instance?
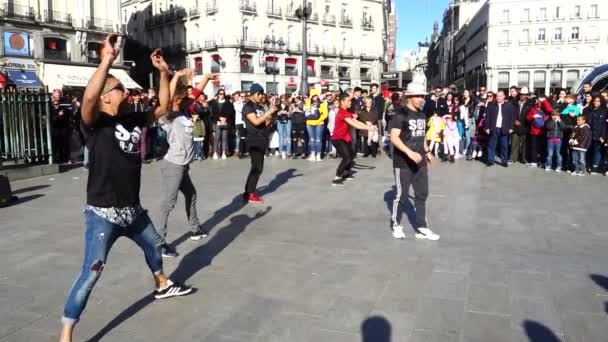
(523, 256)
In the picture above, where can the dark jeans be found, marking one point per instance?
(346, 151)
(419, 180)
(100, 235)
(256, 153)
(241, 138)
(496, 137)
(369, 148)
(298, 140)
(221, 139)
(595, 153)
(534, 147)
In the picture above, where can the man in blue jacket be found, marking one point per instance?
(500, 117)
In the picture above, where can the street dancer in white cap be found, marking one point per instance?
(410, 159)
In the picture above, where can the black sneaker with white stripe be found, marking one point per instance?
(199, 234)
(172, 290)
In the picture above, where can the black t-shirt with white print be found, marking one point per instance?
(255, 134)
(114, 160)
(413, 131)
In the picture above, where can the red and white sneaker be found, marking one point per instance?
(253, 198)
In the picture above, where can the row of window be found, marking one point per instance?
(558, 35)
(540, 78)
(526, 15)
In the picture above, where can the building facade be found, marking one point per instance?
(543, 45)
(58, 41)
(260, 41)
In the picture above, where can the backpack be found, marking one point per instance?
(539, 122)
(313, 113)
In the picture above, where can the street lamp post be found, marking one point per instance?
(274, 42)
(303, 13)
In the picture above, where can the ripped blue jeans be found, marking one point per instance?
(100, 235)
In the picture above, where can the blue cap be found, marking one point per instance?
(256, 88)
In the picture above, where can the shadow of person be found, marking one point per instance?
(376, 329)
(237, 203)
(408, 209)
(190, 264)
(601, 281)
(538, 332)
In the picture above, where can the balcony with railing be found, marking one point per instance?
(194, 46)
(346, 21)
(344, 73)
(314, 18)
(18, 12)
(56, 54)
(290, 12)
(248, 7)
(58, 18)
(291, 71)
(248, 43)
(327, 74)
(211, 7)
(246, 68)
(274, 11)
(293, 47)
(194, 12)
(330, 51)
(172, 15)
(99, 24)
(366, 75)
(367, 24)
(329, 19)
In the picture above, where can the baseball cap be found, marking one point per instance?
(256, 88)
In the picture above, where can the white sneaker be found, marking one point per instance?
(548, 169)
(457, 156)
(215, 156)
(319, 157)
(283, 155)
(558, 170)
(312, 157)
(479, 154)
(398, 232)
(474, 155)
(276, 153)
(425, 233)
(224, 156)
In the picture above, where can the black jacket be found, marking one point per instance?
(225, 110)
(509, 113)
(555, 129)
(440, 106)
(596, 119)
(521, 117)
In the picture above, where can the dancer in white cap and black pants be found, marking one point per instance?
(259, 127)
(410, 158)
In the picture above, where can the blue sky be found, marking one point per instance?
(415, 21)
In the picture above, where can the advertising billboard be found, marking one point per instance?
(16, 44)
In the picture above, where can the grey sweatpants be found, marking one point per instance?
(176, 178)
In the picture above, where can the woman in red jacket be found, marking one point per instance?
(537, 116)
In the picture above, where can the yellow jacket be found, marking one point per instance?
(323, 110)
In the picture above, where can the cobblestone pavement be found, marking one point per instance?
(523, 256)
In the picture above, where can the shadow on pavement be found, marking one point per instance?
(190, 264)
(376, 329)
(410, 211)
(602, 281)
(31, 188)
(238, 203)
(538, 332)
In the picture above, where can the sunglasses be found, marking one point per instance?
(119, 86)
(222, 94)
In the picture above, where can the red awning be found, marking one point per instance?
(311, 64)
(246, 56)
(291, 61)
(216, 57)
(272, 59)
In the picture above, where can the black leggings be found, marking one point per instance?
(256, 153)
(345, 150)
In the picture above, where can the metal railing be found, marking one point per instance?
(58, 18)
(211, 7)
(247, 69)
(291, 71)
(248, 6)
(327, 74)
(10, 10)
(274, 11)
(314, 18)
(366, 76)
(99, 24)
(56, 54)
(193, 46)
(193, 12)
(290, 12)
(329, 19)
(367, 24)
(25, 129)
(346, 21)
